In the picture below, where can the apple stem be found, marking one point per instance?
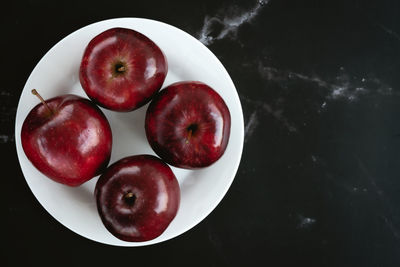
(121, 69)
(129, 195)
(189, 135)
(130, 198)
(42, 100)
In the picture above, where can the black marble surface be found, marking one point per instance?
(318, 183)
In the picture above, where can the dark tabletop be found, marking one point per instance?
(318, 183)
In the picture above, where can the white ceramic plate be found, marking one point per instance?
(188, 59)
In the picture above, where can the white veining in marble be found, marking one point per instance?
(389, 31)
(250, 126)
(7, 115)
(392, 227)
(278, 114)
(6, 139)
(387, 214)
(228, 23)
(5, 93)
(342, 87)
(358, 189)
(272, 110)
(305, 222)
(314, 158)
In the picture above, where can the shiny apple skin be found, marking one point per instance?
(156, 198)
(70, 146)
(188, 125)
(144, 63)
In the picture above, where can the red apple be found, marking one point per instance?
(67, 138)
(188, 125)
(137, 197)
(122, 69)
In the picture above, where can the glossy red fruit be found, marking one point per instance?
(137, 198)
(188, 125)
(69, 140)
(122, 69)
